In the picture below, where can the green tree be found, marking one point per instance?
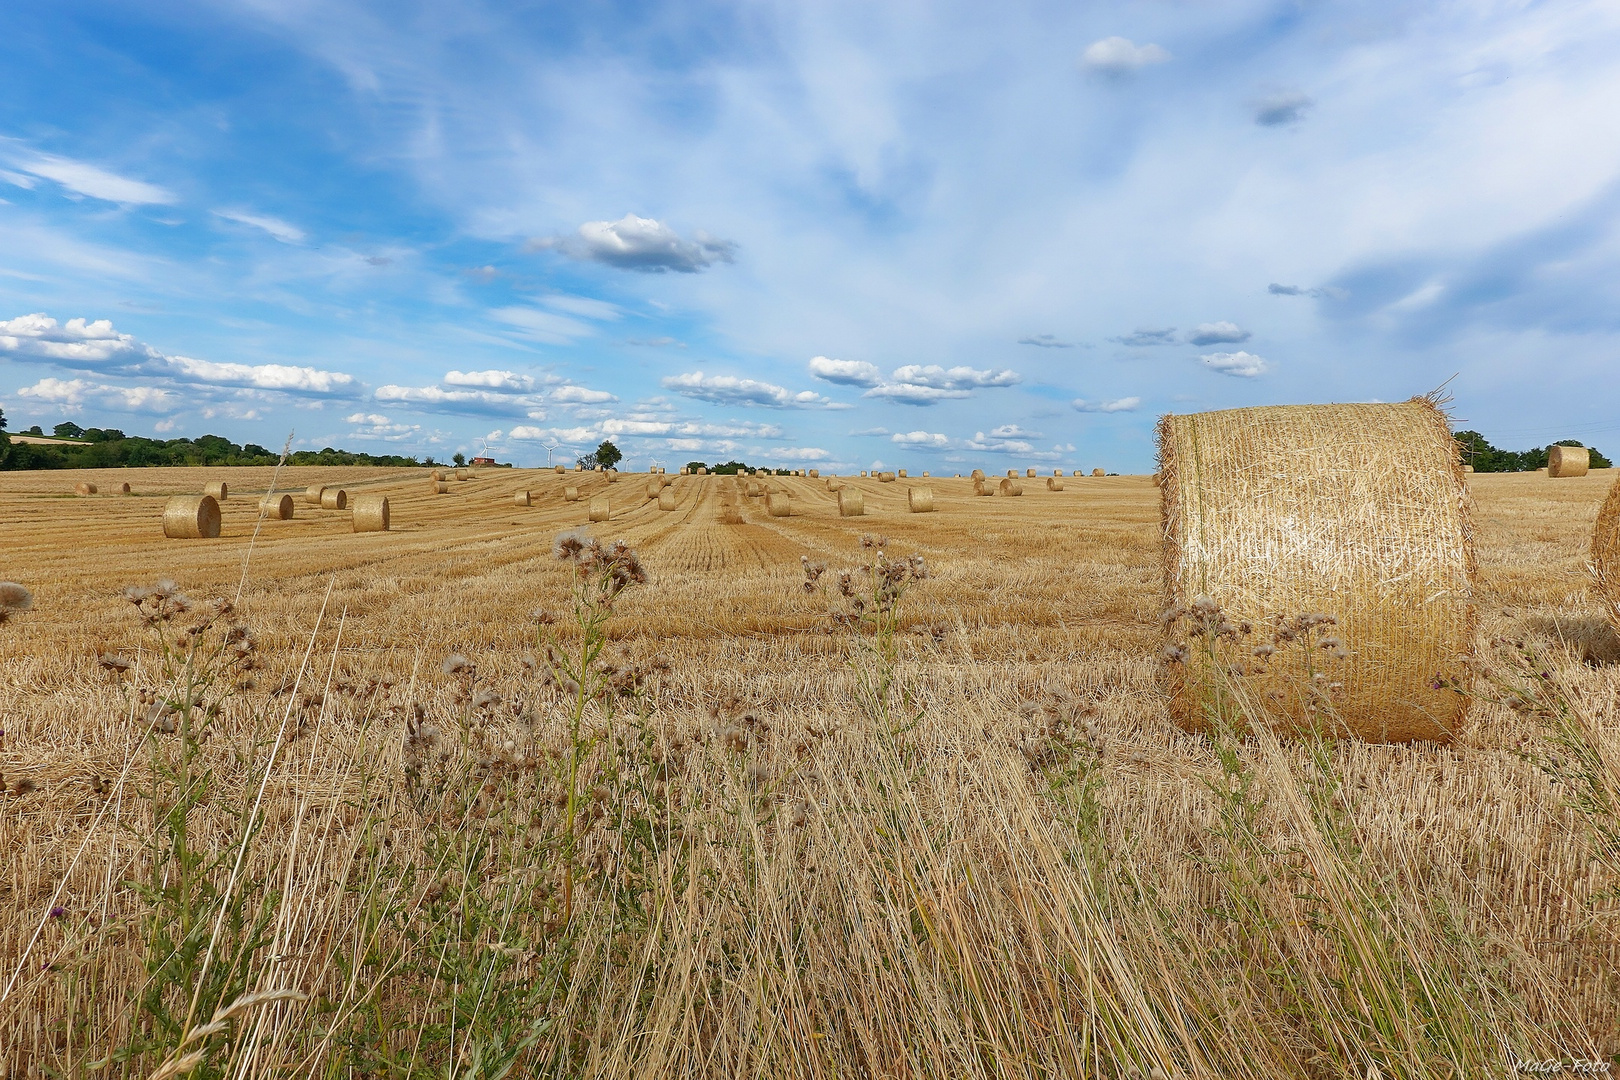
(460, 459)
(5, 440)
(67, 429)
(607, 455)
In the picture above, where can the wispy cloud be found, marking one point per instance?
(1217, 333)
(1124, 404)
(280, 230)
(1143, 339)
(1118, 56)
(1281, 109)
(1045, 341)
(82, 178)
(638, 243)
(732, 390)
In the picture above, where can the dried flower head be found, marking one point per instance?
(13, 599)
(456, 664)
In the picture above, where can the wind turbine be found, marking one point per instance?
(549, 448)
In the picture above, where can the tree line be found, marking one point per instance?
(1484, 457)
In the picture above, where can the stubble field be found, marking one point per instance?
(800, 848)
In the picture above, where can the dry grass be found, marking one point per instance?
(1039, 876)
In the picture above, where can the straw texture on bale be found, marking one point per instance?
(814, 474)
(754, 489)
(1029, 474)
(1606, 554)
(703, 472)
(1054, 483)
(437, 487)
(613, 476)
(920, 500)
(463, 474)
(370, 513)
(84, 487)
(521, 498)
(982, 487)
(1568, 461)
(334, 499)
(1099, 472)
(778, 504)
(123, 489)
(1009, 486)
(978, 474)
(599, 509)
(653, 488)
(664, 481)
(219, 490)
(312, 494)
(666, 499)
(1358, 512)
(277, 507)
(851, 503)
(437, 474)
(191, 517)
(834, 484)
(558, 470)
(1012, 474)
(1468, 468)
(571, 493)
(885, 477)
(900, 473)
(731, 514)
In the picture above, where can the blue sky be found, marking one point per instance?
(836, 235)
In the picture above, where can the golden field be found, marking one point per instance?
(979, 849)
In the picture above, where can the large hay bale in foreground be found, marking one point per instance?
(1568, 461)
(1606, 554)
(218, 490)
(1010, 487)
(666, 499)
(920, 500)
(599, 509)
(778, 504)
(371, 513)
(1054, 483)
(1358, 512)
(982, 486)
(312, 494)
(191, 517)
(851, 503)
(84, 487)
(334, 499)
(277, 507)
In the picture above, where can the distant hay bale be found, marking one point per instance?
(1010, 486)
(123, 489)
(522, 498)
(1606, 554)
(1029, 474)
(1054, 483)
(219, 490)
(1012, 474)
(851, 503)
(570, 493)
(84, 487)
(982, 486)
(1358, 512)
(920, 500)
(1057, 472)
(900, 473)
(597, 468)
(834, 484)
(1568, 461)
(277, 507)
(1099, 472)
(334, 499)
(925, 474)
(370, 513)
(815, 474)
(978, 474)
(703, 472)
(730, 514)
(437, 487)
(437, 474)
(885, 477)
(754, 489)
(666, 499)
(191, 517)
(779, 504)
(558, 470)
(683, 472)
(1468, 468)
(613, 476)
(664, 481)
(653, 488)
(463, 474)
(863, 474)
(599, 509)
(312, 494)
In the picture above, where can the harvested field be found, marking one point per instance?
(1012, 862)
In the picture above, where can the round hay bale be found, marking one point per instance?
(1568, 461)
(925, 474)
(191, 517)
(666, 499)
(653, 488)
(920, 500)
(664, 481)
(885, 477)
(754, 489)
(613, 476)
(463, 474)
(1057, 472)
(437, 474)
(1029, 474)
(558, 470)
(703, 472)
(1468, 468)
(84, 487)
(1012, 474)
(814, 474)
(277, 507)
(1606, 554)
(437, 487)
(370, 513)
(981, 486)
(1262, 524)
(570, 493)
(1099, 472)
(334, 499)
(218, 490)
(1010, 486)
(312, 494)
(863, 474)
(901, 473)
(521, 498)
(851, 503)
(596, 468)
(1054, 483)
(978, 474)
(599, 509)
(730, 514)
(779, 504)
(123, 489)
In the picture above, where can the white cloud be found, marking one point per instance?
(1124, 404)
(921, 438)
(18, 179)
(264, 376)
(731, 390)
(378, 426)
(1120, 56)
(644, 244)
(924, 384)
(479, 401)
(546, 326)
(75, 393)
(1013, 431)
(800, 453)
(992, 445)
(849, 372)
(1045, 341)
(365, 418)
(492, 380)
(1217, 333)
(281, 230)
(83, 179)
(582, 305)
(580, 395)
(1242, 364)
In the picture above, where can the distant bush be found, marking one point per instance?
(1484, 457)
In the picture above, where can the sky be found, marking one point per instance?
(837, 235)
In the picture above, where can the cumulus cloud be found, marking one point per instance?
(731, 390)
(920, 438)
(925, 384)
(580, 395)
(801, 453)
(992, 444)
(1117, 56)
(1045, 341)
(509, 381)
(378, 426)
(848, 372)
(1142, 339)
(1242, 364)
(1280, 110)
(476, 401)
(76, 393)
(88, 180)
(83, 344)
(1217, 333)
(1124, 404)
(643, 244)
(281, 230)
